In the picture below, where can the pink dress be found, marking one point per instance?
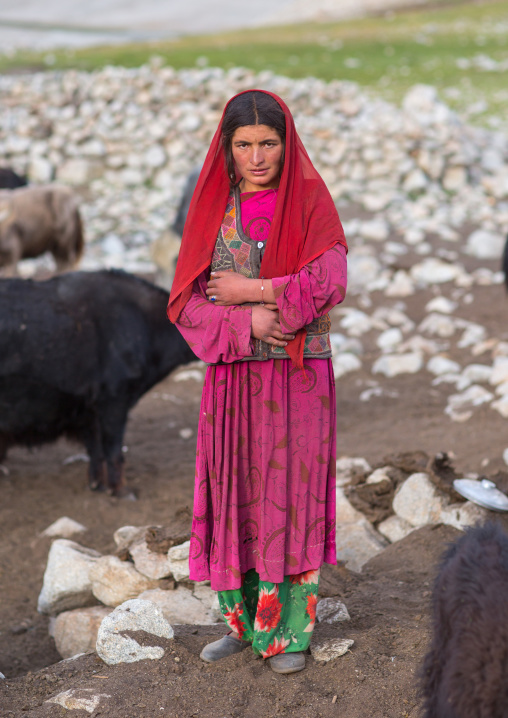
(265, 471)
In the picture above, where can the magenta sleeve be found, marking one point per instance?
(313, 291)
(215, 334)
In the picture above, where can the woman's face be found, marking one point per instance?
(257, 151)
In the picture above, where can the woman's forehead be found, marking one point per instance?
(255, 133)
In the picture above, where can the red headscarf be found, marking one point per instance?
(305, 222)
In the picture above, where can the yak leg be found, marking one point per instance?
(97, 468)
(10, 253)
(113, 423)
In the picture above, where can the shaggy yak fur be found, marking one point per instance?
(77, 352)
(38, 219)
(465, 673)
(10, 180)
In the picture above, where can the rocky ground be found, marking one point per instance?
(421, 363)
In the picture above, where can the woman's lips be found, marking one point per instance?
(259, 172)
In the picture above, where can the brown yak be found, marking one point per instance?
(38, 219)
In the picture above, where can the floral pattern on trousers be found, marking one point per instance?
(274, 617)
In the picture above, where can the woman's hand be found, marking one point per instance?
(229, 288)
(265, 326)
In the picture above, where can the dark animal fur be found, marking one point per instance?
(10, 180)
(465, 673)
(77, 352)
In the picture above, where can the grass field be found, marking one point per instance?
(461, 48)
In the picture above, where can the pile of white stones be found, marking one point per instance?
(127, 138)
(94, 599)
(417, 502)
(81, 587)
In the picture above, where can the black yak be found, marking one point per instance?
(465, 673)
(77, 352)
(34, 220)
(10, 179)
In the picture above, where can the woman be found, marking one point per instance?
(263, 259)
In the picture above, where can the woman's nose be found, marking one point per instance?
(257, 156)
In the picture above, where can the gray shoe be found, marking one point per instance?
(226, 646)
(287, 662)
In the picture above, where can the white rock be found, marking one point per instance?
(333, 648)
(76, 631)
(361, 271)
(401, 285)
(395, 364)
(434, 271)
(379, 475)
(347, 466)
(394, 528)
(388, 340)
(150, 564)
(40, 170)
(64, 527)
(115, 581)
(485, 245)
(455, 178)
(477, 373)
(155, 156)
(344, 363)
(441, 305)
(499, 371)
(67, 582)
(463, 515)
(183, 606)
(187, 374)
(474, 396)
(473, 334)
(438, 325)
(345, 513)
(440, 365)
(501, 406)
(127, 535)
(134, 615)
(78, 171)
(84, 699)
(505, 456)
(416, 181)
(376, 230)
(357, 543)
(418, 501)
(178, 560)
(2, 677)
(331, 610)
(356, 322)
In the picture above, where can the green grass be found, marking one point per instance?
(387, 54)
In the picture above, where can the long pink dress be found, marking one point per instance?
(265, 470)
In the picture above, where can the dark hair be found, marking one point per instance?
(251, 108)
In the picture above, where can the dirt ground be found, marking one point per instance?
(388, 602)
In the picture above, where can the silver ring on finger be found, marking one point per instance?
(213, 298)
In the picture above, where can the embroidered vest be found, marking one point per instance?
(235, 252)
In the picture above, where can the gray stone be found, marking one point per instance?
(150, 564)
(333, 648)
(67, 583)
(485, 245)
(76, 631)
(183, 606)
(440, 365)
(114, 581)
(331, 610)
(178, 560)
(394, 364)
(79, 699)
(135, 615)
(463, 515)
(127, 535)
(347, 466)
(64, 527)
(394, 528)
(418, 501)
(344, 363)
(357, 543)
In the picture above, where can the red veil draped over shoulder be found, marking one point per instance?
(305, 223)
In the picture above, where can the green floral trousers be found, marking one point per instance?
(274, 617)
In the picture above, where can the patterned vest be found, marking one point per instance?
(235, 252)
